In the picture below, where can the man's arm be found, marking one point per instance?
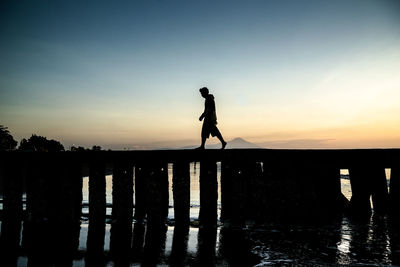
(202, 116)
(206, 110)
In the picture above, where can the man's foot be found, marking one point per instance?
(223, 144)
(200, 148)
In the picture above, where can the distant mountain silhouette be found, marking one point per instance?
(234, 143)
(241, 143)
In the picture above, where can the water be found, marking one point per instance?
(340, 243)
(337, 243)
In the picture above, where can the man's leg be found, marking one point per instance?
(203, 142)
(204, 131)
(219, 136)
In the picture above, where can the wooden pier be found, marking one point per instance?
(257, 186)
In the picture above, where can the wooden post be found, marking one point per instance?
(140, 192)
(122, 211)
(259, 192)
(331, 203)
(395, 192)
(39, 239)
(226, 191)
(250, 179)
(67, 211)
(97, 214)
(360, 205)
(164, 191)
(289, 193)
(208, 193)
(380, 195)
(12, 212)
(181, 192)
(75, 172)
(239, 174)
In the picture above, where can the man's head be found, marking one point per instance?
(204, 91)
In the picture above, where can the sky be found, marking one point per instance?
(126, 74)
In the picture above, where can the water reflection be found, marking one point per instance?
(375, 241)
(343, 242)
(179, 245)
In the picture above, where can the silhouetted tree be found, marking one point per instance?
(7, 142)
(96, 148)
(79, 148)
(40, 143)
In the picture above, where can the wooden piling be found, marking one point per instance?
(181, 192)
(251, 176)
(140, 192)
(97, 214)
(379, 190)
(66, 211)
(305, 204)
(38, 241)
(331, 203)
(239, 178)
(360, 205)
(226, 191)
(164, 191)
(12, 212)
(122, 211)
(289, 194)
(394, 196)
(75, 172)
(208, 192)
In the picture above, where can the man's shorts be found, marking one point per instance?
(209, 128)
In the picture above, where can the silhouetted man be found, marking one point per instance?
(210, 119)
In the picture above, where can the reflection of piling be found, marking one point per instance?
(235, 247)
(156, 183)
(181, 192)
(12, 212)
(122, 211)
(207, 238)
(137, 242)
(208, 192)
(179, 245)
(97, 214)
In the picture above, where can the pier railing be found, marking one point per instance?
(257, 186)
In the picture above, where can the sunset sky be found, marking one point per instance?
(287, 74)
